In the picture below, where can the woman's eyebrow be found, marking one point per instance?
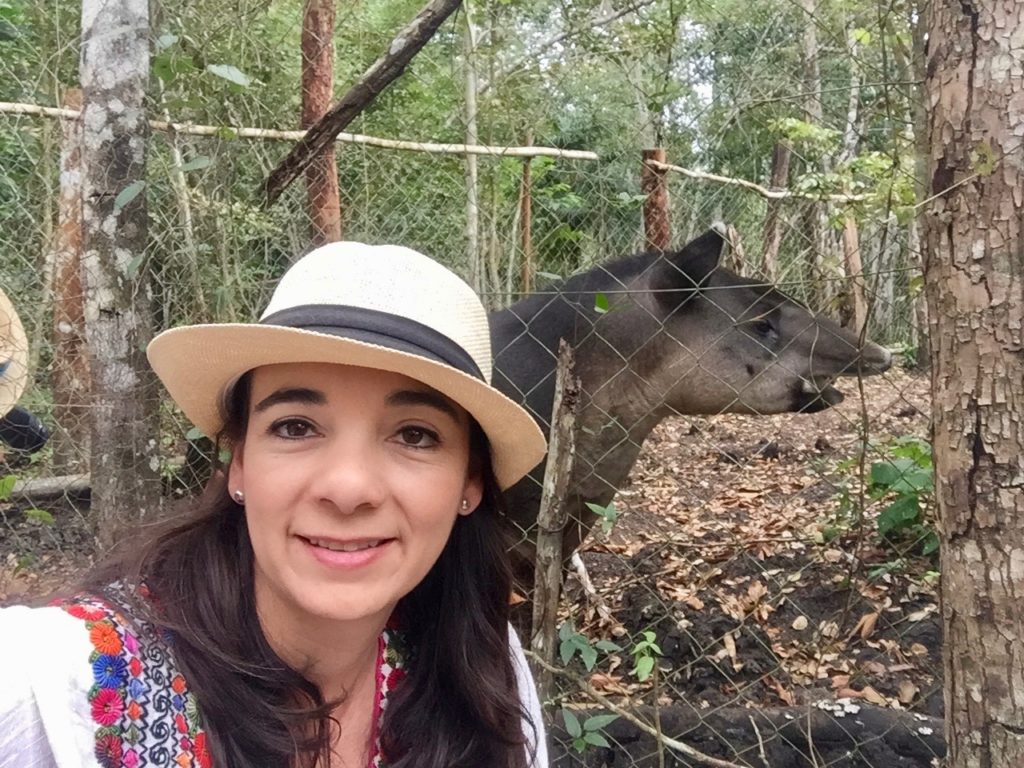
(426, 397)
(291, 395)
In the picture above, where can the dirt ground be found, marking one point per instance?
(731, 545)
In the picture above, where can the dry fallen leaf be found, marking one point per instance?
(800, 623)
(907, 691)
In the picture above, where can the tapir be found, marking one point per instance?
(656, 334)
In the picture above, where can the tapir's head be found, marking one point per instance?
(730, 344)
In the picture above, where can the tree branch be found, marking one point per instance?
(379, 76)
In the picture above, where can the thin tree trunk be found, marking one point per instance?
(857, 312)
(773, 215)
(526, 227)
(323, 201)
(125, 445)
(973, 240)
(477, 277)
(816, 214)
(69, 373)
(654, 187)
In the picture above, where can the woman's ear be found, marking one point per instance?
(235, 475)
(472, 493)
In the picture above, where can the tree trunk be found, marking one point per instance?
(69, 374)
(973, 280)
(856, 298)
(657, 232)
(474, 261)
(526, 226)
(114, 72)
(773, 215)
(322, 195)
(816, 217)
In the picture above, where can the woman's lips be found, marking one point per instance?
(345, 553)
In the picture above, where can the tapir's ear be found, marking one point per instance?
(691, 266)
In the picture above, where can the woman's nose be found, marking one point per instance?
(350, 476)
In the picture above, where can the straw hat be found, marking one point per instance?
(384, 307)
(13, 356)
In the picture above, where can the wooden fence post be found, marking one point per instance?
(657, 231)
(552, 516)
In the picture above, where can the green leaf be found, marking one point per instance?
(227, 133)
(129, 193)
(903, 512)
(566, 650)
(644, 667)
(861, 36)
(600, 303)
(565, 630)
(930, 543)
(196, 164)
(589, 656)
(7, 483)
(194, 434)
(597, 722)
(596, 740)
(230, 73)
(40, 516)
(607, 646)
(572, 724)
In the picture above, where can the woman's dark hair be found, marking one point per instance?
(459, 703)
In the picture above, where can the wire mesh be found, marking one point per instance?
(757, 586)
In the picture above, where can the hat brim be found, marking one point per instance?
(14, 349)
(198, 363)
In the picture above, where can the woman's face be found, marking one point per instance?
(353, 479)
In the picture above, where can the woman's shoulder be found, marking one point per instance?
(123, 689)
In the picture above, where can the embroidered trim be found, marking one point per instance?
(137, 694)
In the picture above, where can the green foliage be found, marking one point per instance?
(901, 486)
(608, 515)
(905, 482)
(645, 655)
(573, 643)
(587, 733)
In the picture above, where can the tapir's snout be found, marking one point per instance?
(873, 359)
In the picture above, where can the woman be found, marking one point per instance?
(339, 595)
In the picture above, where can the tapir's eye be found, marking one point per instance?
(763, 327)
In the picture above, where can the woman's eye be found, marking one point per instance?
(292, 429)
(418, 437)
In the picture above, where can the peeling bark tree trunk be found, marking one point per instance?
(856, 304)
(69, 374)
(323, 201)
(114, 71)
(973, 242)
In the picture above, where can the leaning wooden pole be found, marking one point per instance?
(552, 517)
(405, 45)
(125, 444)
(654, 187)
(322, 197)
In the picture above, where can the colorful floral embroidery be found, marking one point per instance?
(137, 693)
(146, 714)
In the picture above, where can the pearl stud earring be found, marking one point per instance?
(238, 496)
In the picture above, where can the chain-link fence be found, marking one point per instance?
(755, 585)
